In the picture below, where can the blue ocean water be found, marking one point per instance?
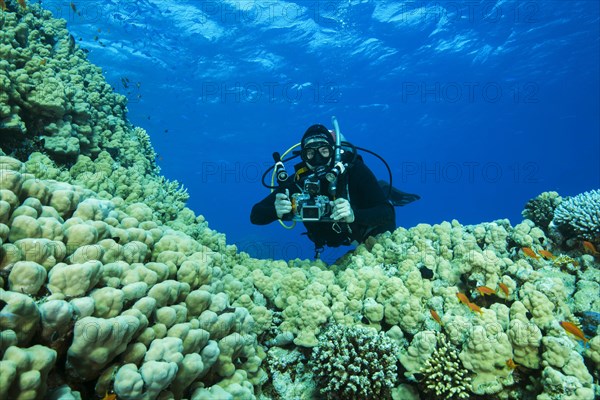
(477, 106)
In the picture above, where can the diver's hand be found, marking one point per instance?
(283, 205)
(342, 211)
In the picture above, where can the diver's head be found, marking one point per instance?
(317, 146)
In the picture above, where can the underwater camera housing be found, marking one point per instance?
(309, 205)
(311, 208)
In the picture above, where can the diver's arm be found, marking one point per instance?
(263, 212)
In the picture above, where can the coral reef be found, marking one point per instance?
(578, 217)
(354, 362)
(147, 309)
(444, 376)
(540, 209)
(58, 113)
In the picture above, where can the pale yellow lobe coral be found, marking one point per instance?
(540, 307)
(24, 372)
(525, 336)
(36, 188)
(108, 302)
(23, 227)
(96, 342)
(80, 234)
(27, 277)
(74, 280)
(168, 292)
(51, 228)
(57, 317)
(485, 353)
(422, 346)
(289, 285)
(26, 316)
(372, 310)
(195, 273)
(304, 319)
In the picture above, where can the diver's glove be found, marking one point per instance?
(283, 205)
(342, 211)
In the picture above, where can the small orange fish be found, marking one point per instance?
(43, 62)
(22, 4)
(463, 298)
(474, 307)
(3, 5)
(589, 247)
(574, 330)
(510, 363)
(73, 7)
(483, 290)
(109, 396)
(530, 253)
(435, 316)
(504, 288)
(547, 255)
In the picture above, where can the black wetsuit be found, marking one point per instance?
(373, 213)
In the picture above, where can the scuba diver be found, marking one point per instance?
(332, 192)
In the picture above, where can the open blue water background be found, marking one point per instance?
(477, 106)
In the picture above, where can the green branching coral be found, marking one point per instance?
(444, 376)
(579, 217)
(354, 363)
(540, 209)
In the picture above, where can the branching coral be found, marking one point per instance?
(354, 363)
(540, 209)
(444, 375)
(579, 216)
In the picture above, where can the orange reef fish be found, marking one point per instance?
(463, 298)
(589, 247)
(3, 5)
(109, 396)
(474, 307)
(510, 363)
(504, 288)
(22, 4)
(435, 316)
(530, 253)
(574, 330)
(73, 7)
(547, 255)
(483, 290)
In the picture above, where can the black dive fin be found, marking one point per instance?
(397, 197)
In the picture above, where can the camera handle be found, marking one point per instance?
(280, 170)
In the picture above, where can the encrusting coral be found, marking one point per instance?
(110, 286)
